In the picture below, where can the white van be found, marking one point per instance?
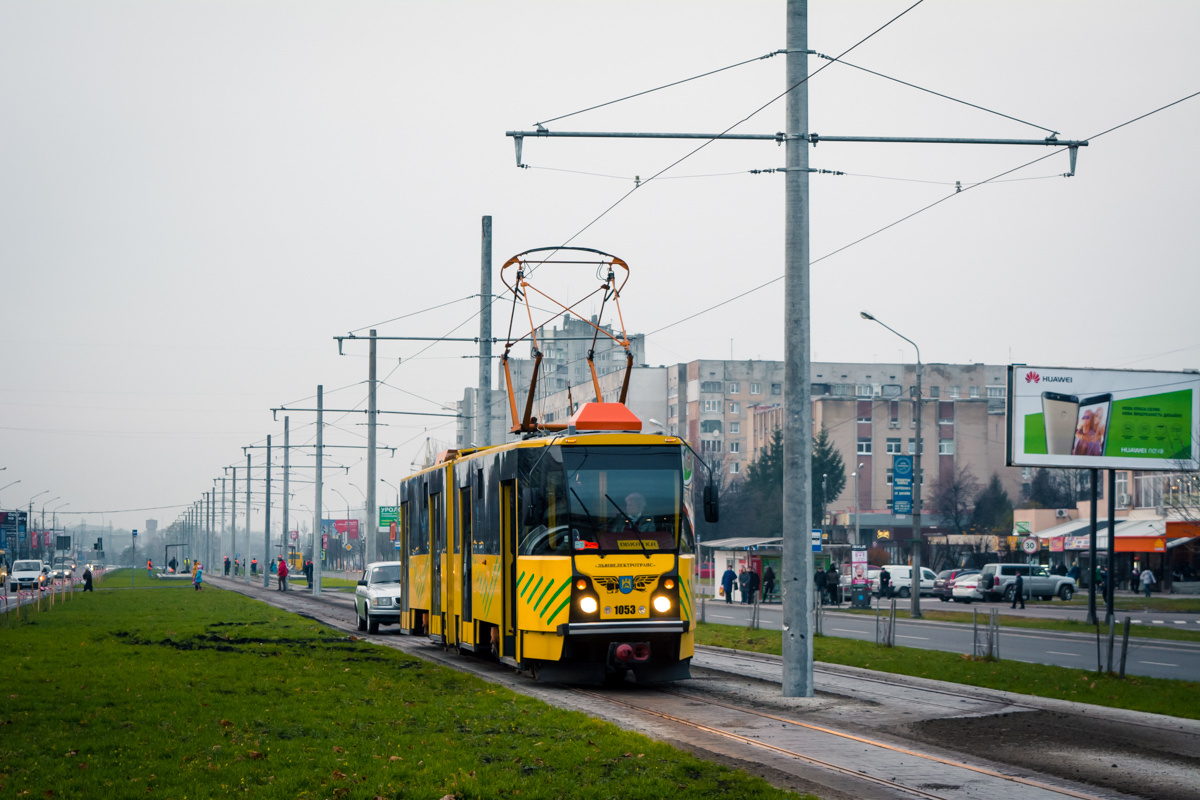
(902, 580)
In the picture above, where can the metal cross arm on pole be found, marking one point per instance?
(364, 411)
(327, 447)
(774, 137)
(816, 138)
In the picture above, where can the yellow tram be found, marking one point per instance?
(569, 553)
(569, 556)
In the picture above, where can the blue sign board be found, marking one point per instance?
(816, 540)
(902, 484)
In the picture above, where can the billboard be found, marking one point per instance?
(902, 488)
(1102, 419)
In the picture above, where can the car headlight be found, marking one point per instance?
(381, 601)
(588, 605)
(662, 604)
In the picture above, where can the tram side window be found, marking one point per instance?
(419, 545)
(485, 524)
(543, 517)
(437, 505)
(404, 533)
(464, 518)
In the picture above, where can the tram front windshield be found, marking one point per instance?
(601, 500)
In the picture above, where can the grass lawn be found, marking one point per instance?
(125, 578)
(187, 694)
(1157, 695)
(1180, 605)
(1073, 626)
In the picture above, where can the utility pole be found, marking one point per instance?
(286, 471)
(372, 478)
(915, 590)
(248, 482)
(483, 401)
(797, 568)
(267, 523)
(222, 524)
(318, 530)
(233, 523)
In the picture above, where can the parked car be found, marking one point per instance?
(377, 597)
(704, 570)
(28, 574)
(997, 581)
(902, 580)
(966, 589)
(943, 587)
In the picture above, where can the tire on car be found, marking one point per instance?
(1066, 592)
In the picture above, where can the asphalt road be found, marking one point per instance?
(1152, 658)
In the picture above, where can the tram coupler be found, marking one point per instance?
(627, 654)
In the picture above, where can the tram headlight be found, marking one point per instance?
(581, 584)
(662, 604)
(588, 605)
(669, 583)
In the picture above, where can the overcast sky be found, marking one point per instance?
(195, 197)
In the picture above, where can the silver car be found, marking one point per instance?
(377, 597)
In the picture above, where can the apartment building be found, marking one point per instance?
(564, 356)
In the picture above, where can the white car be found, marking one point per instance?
(377, 598)
(901, 580)
(966, 589)
(28, 574)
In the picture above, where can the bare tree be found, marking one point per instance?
(954, 498)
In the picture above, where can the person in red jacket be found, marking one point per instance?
(282, 572)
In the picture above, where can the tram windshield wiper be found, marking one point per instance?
(632, 524)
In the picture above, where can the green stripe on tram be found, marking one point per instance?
(553, 597)
(549, 586)
(519, 583)
(558, 610)
(536, 586)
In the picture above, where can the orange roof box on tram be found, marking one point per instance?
(606, 417)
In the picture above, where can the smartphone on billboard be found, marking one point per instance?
(1091, 427)
(1060, 414)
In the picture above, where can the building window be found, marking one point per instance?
(776, 388)
(735, 447)
(912, 446)
(863, 390)
(945, 413)
(974, 391)
(893, 446)
(864, 417)
(710, 426)
(733, 468)
(756, 388)
(711, 406)
(711, 386)
(673, 391)
(945, 447)
(735, 427)
(888, 478)
(1123, 489)
(935, 391)
(710, 446)
(1026, 473)
(954, 392)
(995, 391)
(733, 388)
(735, 408)
(672, 411)
(889, 505)
(864, 447)
(890, 390)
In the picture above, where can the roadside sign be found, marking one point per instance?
(388, 514)
(816, 540)
(902, 487)
(349, 546)
(392, 531)
(397, 545)
(1030, 545)
(135, 533)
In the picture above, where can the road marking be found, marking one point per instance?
(902, 636)
(1181, 622)
(1157, 621)
(847, 630)
(721, 616)
(1056, 653)
(1158, 663)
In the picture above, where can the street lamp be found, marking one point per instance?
(857, 529)
(347, 502)
(394, 486)
(5, 486)
(915, 608)
(48, 502)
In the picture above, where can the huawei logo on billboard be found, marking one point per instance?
(1032, 377)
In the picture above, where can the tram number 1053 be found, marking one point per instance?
(624, 609)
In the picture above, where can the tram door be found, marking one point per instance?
(464, 542)
(508, 546)
(437, 553)
(402, 535)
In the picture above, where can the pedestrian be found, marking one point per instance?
(226, 566)
(149, 567)
(754, 583)
(1019, 591)
(173, 564)
(254, 566)
(885, 583)
(1135, 578)
(727, 579)
(282, 572)
(273, 567)
(1147, 580)
(197, 575)
(831, 585)
(743, 583)
(1073, 572)
(308, 572)
(768, 580)
(87, 579)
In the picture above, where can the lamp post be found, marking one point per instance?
(5, 486)
(857, 528)
(395, 487)
(915, 608)
(29, 519)
(362, 534)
